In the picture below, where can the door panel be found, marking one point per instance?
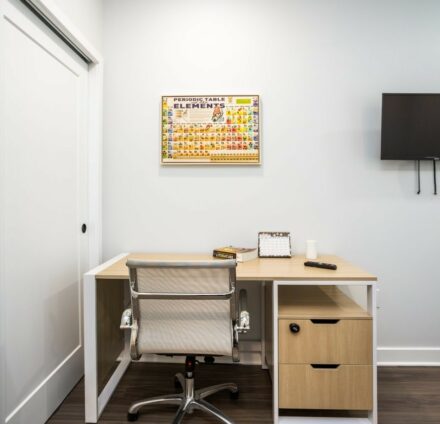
(44, 205)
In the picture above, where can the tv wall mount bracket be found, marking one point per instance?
(434, 170)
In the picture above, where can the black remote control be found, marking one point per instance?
(320, 265)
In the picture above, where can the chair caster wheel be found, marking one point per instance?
(234, 395)
(177, 384)
(132, 417)
(209, 360)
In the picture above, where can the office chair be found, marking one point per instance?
(186, 308)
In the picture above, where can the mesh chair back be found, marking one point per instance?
(178, 325)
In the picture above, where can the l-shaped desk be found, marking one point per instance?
(330, 365)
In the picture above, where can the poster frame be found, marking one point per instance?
(225, 163)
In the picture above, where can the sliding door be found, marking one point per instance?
(43, 206)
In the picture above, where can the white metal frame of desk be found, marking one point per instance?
(95, 402)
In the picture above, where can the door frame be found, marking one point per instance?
(55, 19)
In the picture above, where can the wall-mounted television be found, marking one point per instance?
(410, 126)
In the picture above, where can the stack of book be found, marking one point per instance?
(241, 254)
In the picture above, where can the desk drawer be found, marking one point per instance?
(344, 341)
(345, 387)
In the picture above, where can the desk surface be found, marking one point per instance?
(258, 269)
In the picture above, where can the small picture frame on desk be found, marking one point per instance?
(274, 244)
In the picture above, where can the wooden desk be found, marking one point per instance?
(105, 289)
(292, 269)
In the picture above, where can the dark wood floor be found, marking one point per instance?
(407, 395)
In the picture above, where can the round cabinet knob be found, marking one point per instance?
(294, 328)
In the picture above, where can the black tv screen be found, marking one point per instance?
(410, 126)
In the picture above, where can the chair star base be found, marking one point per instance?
(188, 401)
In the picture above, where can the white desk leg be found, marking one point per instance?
(275, 351)
(372, 309)
(95, 403)
(90, 349)
(263, 325)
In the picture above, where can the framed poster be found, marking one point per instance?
(211, 130)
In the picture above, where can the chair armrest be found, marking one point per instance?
(126, 320)
(244, 320)
(127, 323)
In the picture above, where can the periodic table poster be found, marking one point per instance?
(210, 130)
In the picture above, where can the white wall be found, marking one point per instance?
(320, 67)
(87, 16)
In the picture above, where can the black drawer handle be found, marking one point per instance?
(325, 366)
(324, 321)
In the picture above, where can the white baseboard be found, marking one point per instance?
(41, 403)
(250, 354)
(408, 356)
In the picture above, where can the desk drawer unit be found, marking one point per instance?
(345, 387)
(325, 341)
(325, 351)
